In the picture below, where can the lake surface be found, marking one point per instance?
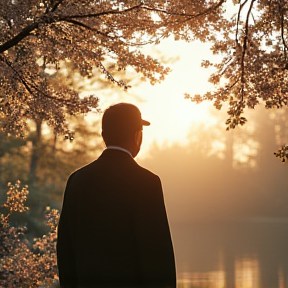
(240, 254)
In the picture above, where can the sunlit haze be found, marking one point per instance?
(238, 184)
(163, 104)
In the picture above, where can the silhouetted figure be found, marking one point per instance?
(113, 229)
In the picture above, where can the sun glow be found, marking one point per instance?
(164, 104)
(171, 115)
(171, 118)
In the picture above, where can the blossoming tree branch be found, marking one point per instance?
(38, 36)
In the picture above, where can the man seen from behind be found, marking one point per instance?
(113, 229)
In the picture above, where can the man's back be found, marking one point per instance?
(113, 230)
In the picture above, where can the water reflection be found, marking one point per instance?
(247, 273)
(214, 279)
(235, 255)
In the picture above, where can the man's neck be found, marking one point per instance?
(113, 147)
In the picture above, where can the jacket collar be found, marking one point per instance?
(119, 148)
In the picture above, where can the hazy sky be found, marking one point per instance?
(169, 145)
(163, 104)
(170, 114)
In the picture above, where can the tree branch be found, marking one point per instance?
(29, 86)
(110, 12)
(56, 5)
(45, 19)
(190, 16)
(285, 47)
(22, 80)
(19, 37)
(238, 20)
(244, 49)
(110, 77)
(77, 23)
(48, 19)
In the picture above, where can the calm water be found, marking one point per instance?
(235, 255)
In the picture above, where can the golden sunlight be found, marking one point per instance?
(164, 105)
(173, 118)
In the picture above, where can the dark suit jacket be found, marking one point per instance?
(113, 229)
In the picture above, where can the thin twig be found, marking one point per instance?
(244, 49)
(9, 64)
(285, 47)
(238, 20)
(95, 15)
(30, 86)
(77, 23)
(190, 16)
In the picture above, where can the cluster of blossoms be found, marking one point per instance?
(282, 153)
(22, 263)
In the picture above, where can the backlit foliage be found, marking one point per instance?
(282, 153)
(24, 264)
(38, 36)
(253, 45)
(254, 67)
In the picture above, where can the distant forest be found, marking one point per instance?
(223, 175)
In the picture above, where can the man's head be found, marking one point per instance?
(122, 126)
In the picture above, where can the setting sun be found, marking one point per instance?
(164, 105)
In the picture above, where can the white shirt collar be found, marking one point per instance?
(119, 148)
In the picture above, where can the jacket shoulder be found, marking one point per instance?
(147, 172)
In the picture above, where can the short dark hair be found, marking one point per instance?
(119, 122)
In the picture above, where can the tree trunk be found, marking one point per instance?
(36, 141)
